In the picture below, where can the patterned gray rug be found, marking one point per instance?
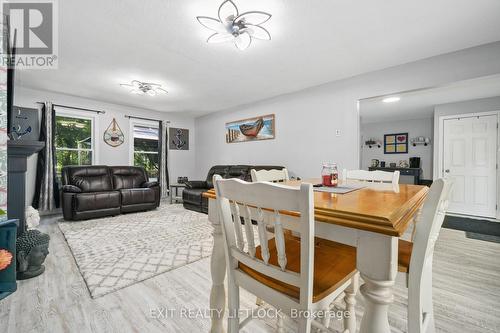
(116, 252)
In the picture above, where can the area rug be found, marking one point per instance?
(116, 252)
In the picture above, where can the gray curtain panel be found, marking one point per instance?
(164, 178)
(46, 188)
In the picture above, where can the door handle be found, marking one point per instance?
(447, 170)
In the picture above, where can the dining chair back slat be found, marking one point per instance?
(376, 176)
(273, 175)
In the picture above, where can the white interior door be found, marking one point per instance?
(470, 157)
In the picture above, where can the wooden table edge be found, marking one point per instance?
(402, 217)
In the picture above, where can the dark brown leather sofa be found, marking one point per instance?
(192, 195)
(97, 191)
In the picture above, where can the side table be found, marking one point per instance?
(175, 195)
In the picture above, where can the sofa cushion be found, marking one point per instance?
(239, 171)
(150, 184)
(94, 214)
(71, 189)
(196, 184)
(138, 207)
(128, 177)
(96, 200)
(137, 196)
(216, 170)
(193, 195)
(88, 178)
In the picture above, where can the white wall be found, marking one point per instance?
(414, 127)
(181, 162)
(306, 120)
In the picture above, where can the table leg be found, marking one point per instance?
(377, 262)
(171, 195)
(218, 272)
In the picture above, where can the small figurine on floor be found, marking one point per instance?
(32, 249)
(32, 217)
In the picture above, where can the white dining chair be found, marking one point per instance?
(287, 272)
(376, 176)
(415, 258)
(273, 175)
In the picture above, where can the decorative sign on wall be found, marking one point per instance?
(113, 135)
(252, 129)
(178, 138)
(25, 124)
(396, 143)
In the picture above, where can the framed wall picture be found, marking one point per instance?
(396, 143)
(24, 124)
(178, 138)
(251, 129)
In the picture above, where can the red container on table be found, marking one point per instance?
(330, 175)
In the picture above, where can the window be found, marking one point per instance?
(74, 141)
(146, 149)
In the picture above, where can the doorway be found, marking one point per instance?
(469, 156)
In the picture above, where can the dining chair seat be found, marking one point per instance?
(334, 265)
(404, 255)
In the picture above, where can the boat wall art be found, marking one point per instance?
(252, 129)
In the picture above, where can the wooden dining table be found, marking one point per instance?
(371, 218)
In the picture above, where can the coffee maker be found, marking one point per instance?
(415, 162)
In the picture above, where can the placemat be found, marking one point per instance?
(341, 189)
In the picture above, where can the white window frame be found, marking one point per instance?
(143, 123)
(61, 112)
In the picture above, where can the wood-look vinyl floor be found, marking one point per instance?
(466, 295)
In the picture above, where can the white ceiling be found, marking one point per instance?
(420, 103)
(105, 43)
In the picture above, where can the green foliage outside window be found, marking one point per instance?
(73, 141)
(146, 150)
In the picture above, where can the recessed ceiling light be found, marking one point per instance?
(231, 26)
(144, 88)
(392, 99)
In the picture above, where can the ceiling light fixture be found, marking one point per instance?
(144, 88)
(234, 27)
(392, 99)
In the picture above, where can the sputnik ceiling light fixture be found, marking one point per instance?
(231, 26)
(144, 88)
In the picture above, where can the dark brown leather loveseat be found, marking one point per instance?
(97, 191)
(192, 195)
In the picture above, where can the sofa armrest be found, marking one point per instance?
(71, 189)
(150, 184)
(196, 184)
